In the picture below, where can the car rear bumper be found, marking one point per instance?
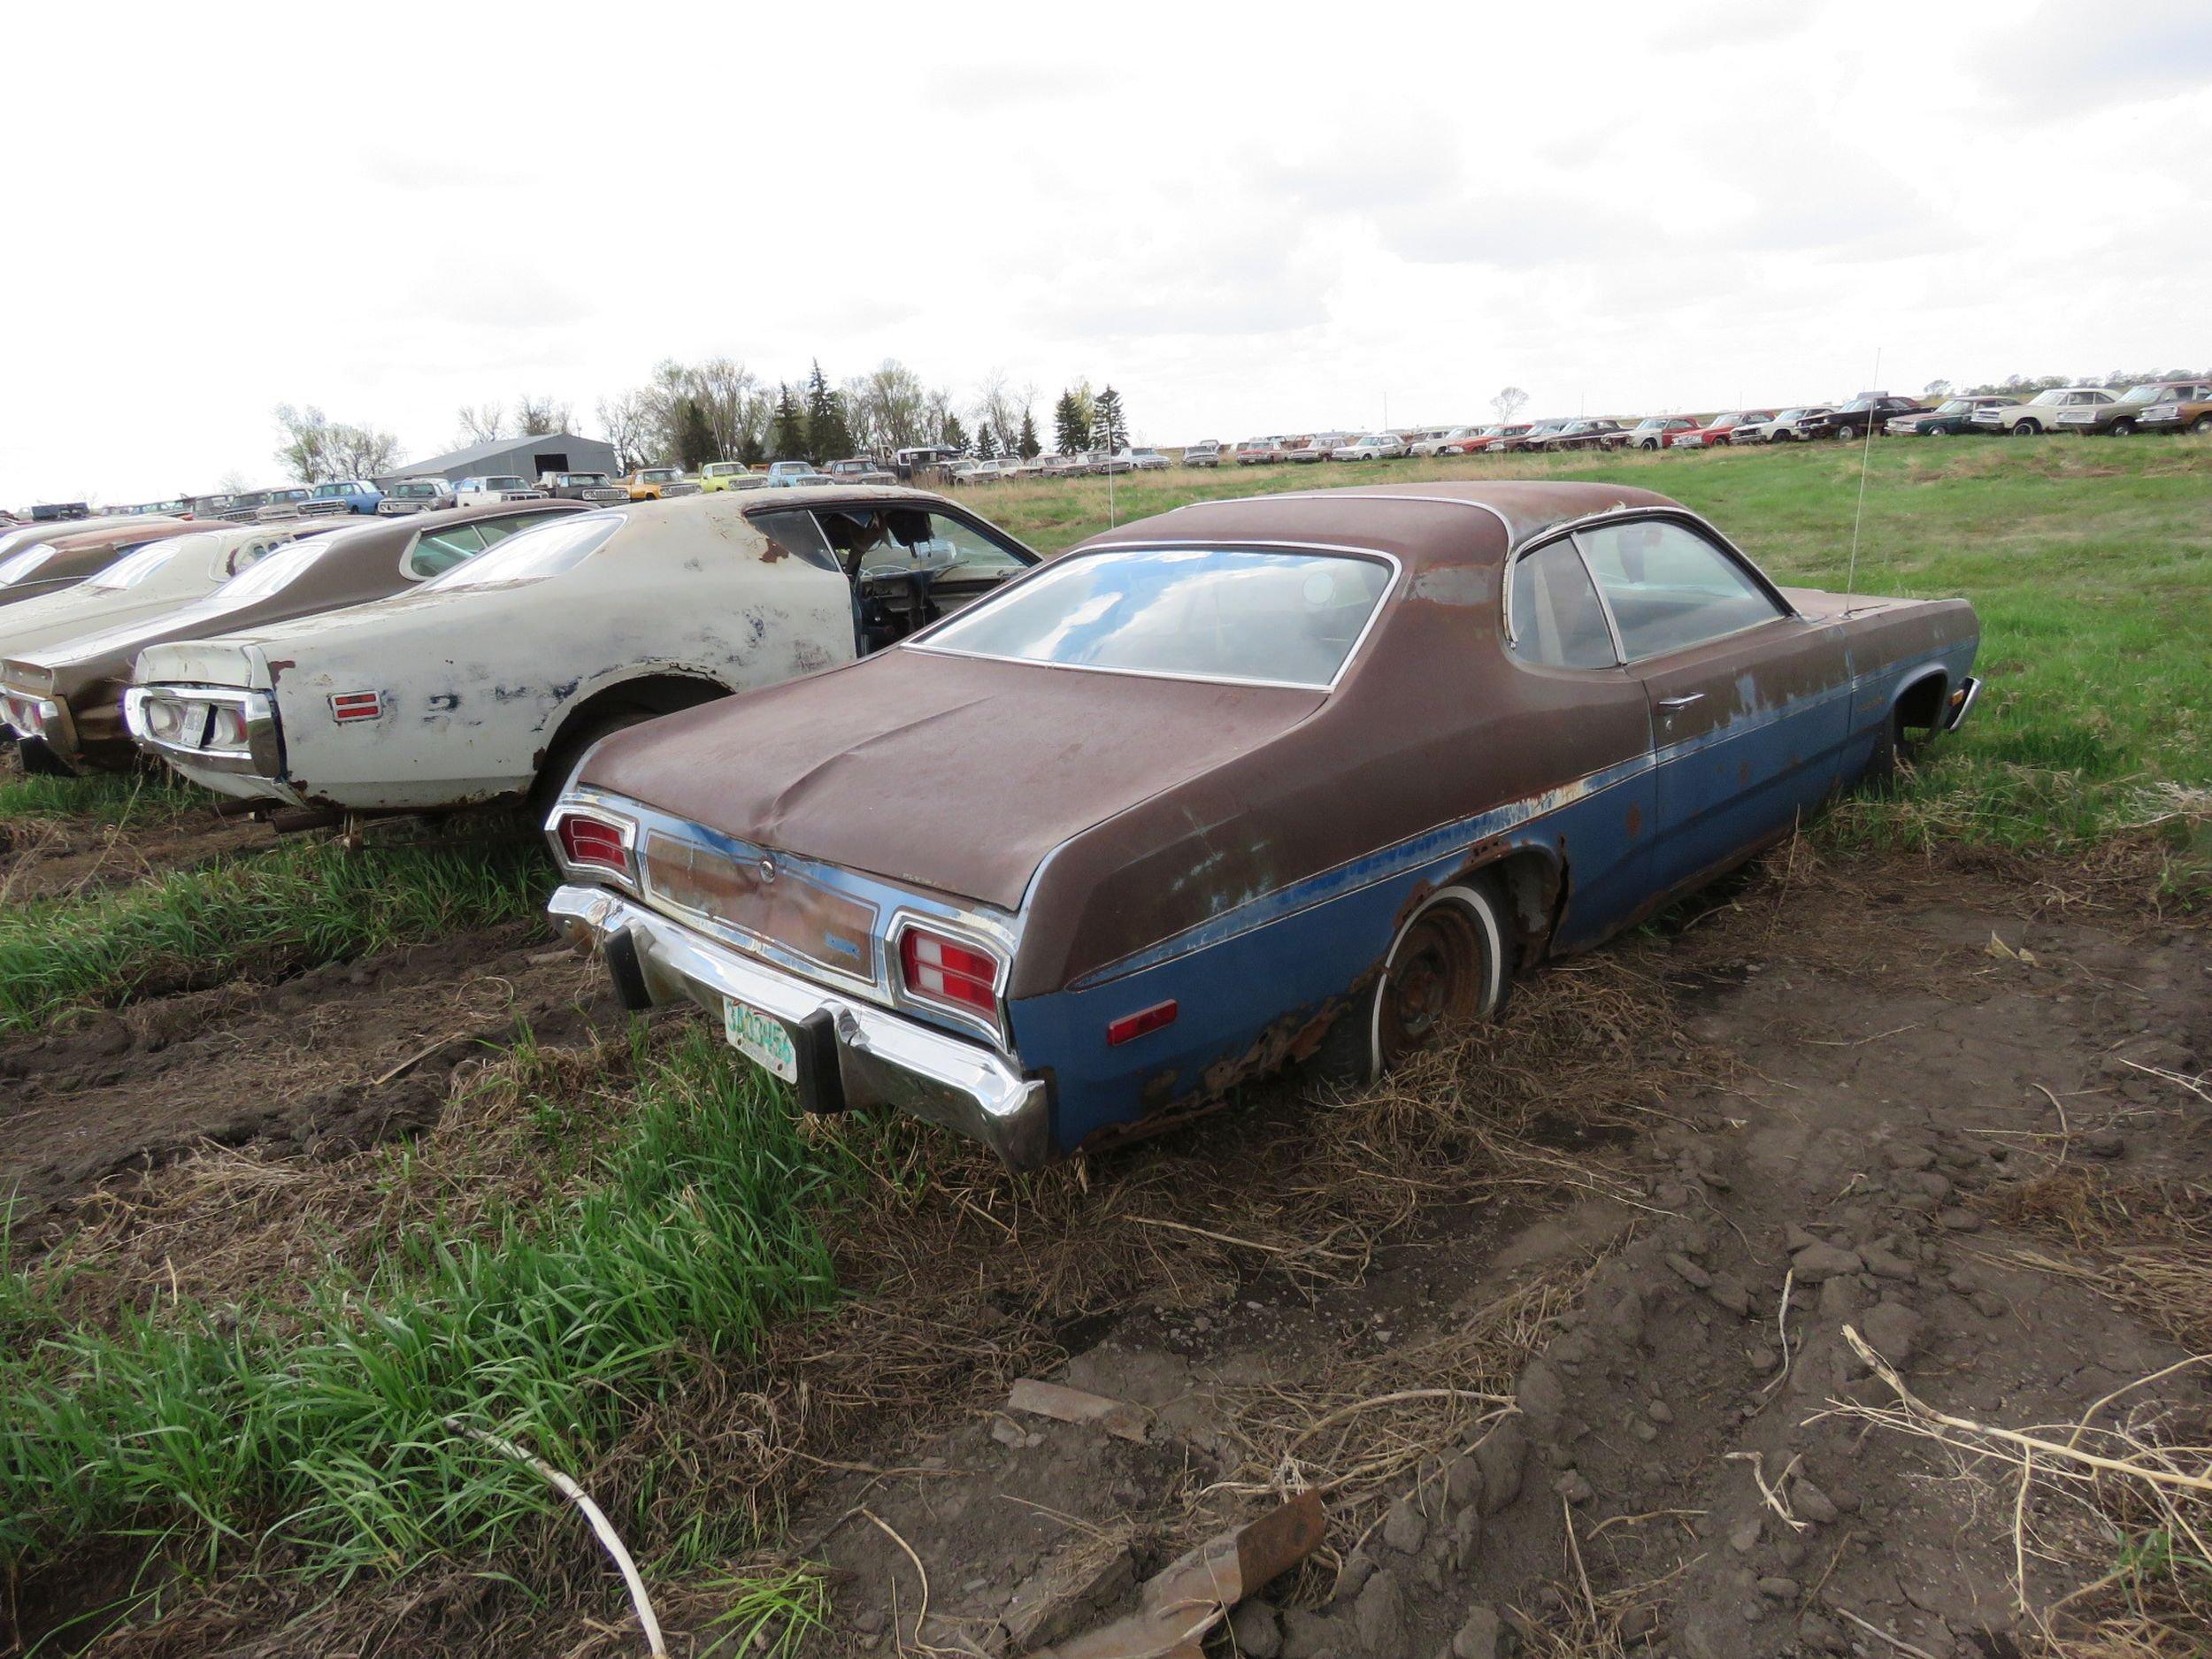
(1963, 703)
(850, 1052)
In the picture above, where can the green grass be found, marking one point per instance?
(124, 798)
(322, 1425)
(296, 905)
(2089, 562)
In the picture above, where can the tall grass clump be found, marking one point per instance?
(322, 1426)
(294, 906)
(123, 799)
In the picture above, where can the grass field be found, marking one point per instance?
(318, 1421)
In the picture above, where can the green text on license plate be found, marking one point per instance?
(760, 1039)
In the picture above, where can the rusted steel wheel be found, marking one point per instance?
(1450, 966)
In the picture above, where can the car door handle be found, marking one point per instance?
(1670, 704)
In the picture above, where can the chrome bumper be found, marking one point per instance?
(1970, 689)
(851, 1053)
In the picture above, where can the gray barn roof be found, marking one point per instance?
(467, 460)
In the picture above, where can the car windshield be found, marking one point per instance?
(504, 483)
(1953, 406)
(271, 574)
(1377, 439)
(23, 564)
(1196, 613)
(134, 567)
(583, 478)
(2056, 394)
(531, 556)
(2144, 394)
(659, 475)
(1859, 405)
(327, 492)
(415, 492)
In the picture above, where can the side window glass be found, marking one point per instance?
(795, 533)
(1556, 617)
(974, 553)
(438, 551)
(1669, 587)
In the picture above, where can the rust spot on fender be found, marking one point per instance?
(1635, 818)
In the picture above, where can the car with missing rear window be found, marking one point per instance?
(2125, 415)
(486, 684)
(1311, 777)
(77, 685)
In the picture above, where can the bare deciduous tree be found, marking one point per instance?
(538, 416)
(1508, 403)
(626, 420)
(481, 423)
(317, 449)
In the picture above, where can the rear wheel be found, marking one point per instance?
(1450, 966)
(2124, 429)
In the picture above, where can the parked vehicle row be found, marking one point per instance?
(1121, 875)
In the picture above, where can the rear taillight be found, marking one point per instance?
(938, 969)
(592, 843)
(228, 727)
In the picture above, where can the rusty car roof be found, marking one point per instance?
(1429, 523)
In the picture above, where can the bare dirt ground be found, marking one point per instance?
(1556, 1323)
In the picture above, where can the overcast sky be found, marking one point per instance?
(1249, 218)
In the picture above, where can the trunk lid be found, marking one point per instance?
(957, 775)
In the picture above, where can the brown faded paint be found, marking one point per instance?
(1117, 811)
(358, 564)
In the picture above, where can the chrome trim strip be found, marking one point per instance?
(884, 1058)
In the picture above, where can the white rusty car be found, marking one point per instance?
(488, 683)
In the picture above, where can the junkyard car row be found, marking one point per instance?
(1049, 852)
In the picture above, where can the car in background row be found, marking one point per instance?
(2184, 414)
(1316, 447)
(1719, 430)
(48, 558)
(1655, 432)
(1487, 437)
(1259, 451)
(660, 483)
(1307, 776)
(2125, 415)
(1205, 454)
(720, 475)
(1431, 442)
(1867, 412)
(1581, 434)
(1947, 420)
(2040, 413)
(288, 503)
(1375, 446)
(794, 474)
(342, 495)
(1533, 436)
(597, 487)
(1783, 426)
(1146, 460)
(77, 685)
(145, 583)
(416, 494)
(468, 691)
(858, 469)
(494, 489)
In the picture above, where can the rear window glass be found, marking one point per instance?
(1198, 613)
(536, 553)
(135, 567)
(23, 564)
(272, 575)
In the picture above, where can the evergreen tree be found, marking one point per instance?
(694, 438)
(986, 444)
(1109, 427)
(828, 434)
(1070, 430)
(955, 436)
(787, 432)
(1029, 448)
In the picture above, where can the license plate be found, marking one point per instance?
(760, 1039)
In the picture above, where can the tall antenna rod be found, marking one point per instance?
(1866, 454)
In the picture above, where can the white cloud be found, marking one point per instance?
(1245, 224)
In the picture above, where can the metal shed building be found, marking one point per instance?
(527, 457)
